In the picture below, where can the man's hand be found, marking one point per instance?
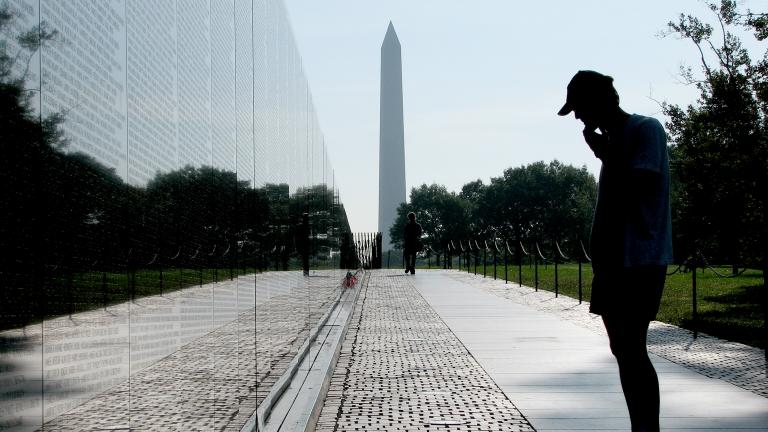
(598, 142)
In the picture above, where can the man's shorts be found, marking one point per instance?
(628, 291)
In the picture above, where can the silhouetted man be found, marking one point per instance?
(411, 242)
(631, 239)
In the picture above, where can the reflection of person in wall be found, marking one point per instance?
(411, 242)
(631, 240)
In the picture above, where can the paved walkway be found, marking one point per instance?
(442, 350)
(402, 369)
(441, 345)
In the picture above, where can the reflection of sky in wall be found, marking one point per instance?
(194, 72)
(482, 81)
(243, 91)
(151, 86)
(83, 74)
(222, 88)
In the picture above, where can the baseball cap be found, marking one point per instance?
(585, 84)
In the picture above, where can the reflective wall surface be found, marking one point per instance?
(165, 179)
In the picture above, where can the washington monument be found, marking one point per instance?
(391, 135)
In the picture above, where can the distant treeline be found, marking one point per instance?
(540, 202)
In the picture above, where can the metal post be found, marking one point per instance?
(579, 280)
(494, 261)
(586, 256)
(520, 267)
(506, 263)
(467, 260)
(445, 257)
(556, 287)
(484, 260)
(695, 315)
(536, 271)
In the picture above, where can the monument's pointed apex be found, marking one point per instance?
(391, 34)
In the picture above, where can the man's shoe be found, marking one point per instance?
(413, 271)
(407, 270)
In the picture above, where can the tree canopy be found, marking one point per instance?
(719, 144)
(543, 202)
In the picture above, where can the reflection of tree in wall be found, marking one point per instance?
(26, 197)
(65, 215)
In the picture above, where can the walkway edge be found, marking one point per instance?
(327, 337)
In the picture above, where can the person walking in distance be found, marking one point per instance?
(631, 238)
(412, 242)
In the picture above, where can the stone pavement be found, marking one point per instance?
(470, 352)
(402, 369)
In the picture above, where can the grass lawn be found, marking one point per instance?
(729, 308)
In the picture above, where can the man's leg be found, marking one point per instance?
(407, 261)
(628, 336)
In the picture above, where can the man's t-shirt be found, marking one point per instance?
(627, 230)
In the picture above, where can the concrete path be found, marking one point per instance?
(561, 374)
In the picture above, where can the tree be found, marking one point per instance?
(443, 215)
(719, 150)
(540, 201)
(543, 201)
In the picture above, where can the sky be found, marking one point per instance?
(482, 81)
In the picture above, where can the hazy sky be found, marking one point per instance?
(482, 81)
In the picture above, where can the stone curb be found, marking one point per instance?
(258, 420)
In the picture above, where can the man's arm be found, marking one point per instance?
(645, 177)
(644, 186)
(597, 142)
